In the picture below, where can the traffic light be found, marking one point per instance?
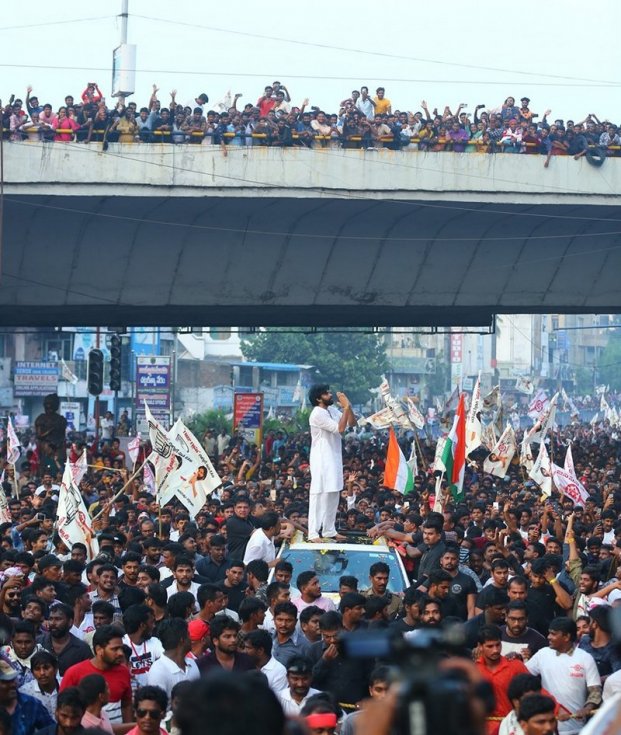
(115, 362)
(95, 372)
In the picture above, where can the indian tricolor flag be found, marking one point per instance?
(397, 473)
(454, 454)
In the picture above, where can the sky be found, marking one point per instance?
(444, 53)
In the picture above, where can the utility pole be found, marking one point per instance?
(124, 16)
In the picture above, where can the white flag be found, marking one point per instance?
(271, 414)
(473, 419)
(493, 400)
(538, 405)
(569, 462)
(569, 485)
(74, 523)
(182, 469)
(79, 469)
(148, 478)
(526, 453)
(13, 447)
(5, 515)
(488, 436)
(499, 460)
(297, 392)
(412, 461)
(545, 421)
(595, 419)
(525, 385)
(438, 464)
(133, 448)
(415, 416)
(380, 420)
(541, 472)
(66, 373)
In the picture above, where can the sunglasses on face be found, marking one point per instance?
(154, 714)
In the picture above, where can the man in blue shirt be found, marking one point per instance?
(27, 713)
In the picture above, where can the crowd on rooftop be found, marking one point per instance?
(362, 121)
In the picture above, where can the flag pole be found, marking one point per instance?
(420, 451)
(120, 492)
(15, 481)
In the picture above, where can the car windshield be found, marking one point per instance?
(331, 565)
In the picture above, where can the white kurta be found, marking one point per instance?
(326, 454)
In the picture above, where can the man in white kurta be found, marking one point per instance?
(327, 424)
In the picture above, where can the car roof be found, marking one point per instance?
(336, 546)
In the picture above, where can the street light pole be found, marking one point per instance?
(124, 16)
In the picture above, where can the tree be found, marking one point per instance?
(215, 419)
(351, 362)
(609, 363)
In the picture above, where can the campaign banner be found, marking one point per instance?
(71, 411)
(248, 416)
(153, 385)
(35, 379)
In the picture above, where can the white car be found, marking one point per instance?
(331, 561)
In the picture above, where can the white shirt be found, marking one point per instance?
(107, 427)
(566, 676)
(173, 589)
(276, 675)
(165, 673)
(260, 547)
(510, 725)
(289, 705)
(612, 685)
(47, 700)
(326, 454)
(144, 655)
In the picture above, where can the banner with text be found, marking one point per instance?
(248, 416)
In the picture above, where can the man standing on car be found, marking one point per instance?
(327, 424)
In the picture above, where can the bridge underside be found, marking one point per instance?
(314, 261)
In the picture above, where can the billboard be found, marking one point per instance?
(35, 378)
(153, 385)
(248, 416)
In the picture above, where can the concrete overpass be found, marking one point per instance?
(183, 235)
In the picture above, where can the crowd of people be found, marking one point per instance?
(180, 621)
(363, 120)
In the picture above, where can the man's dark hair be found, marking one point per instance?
(158, 594)
(517, 605)
(183, 561)
(564, 625)
(284, 566)
(103, 608)
(433, 523)
(91, 687)
(349, 581)
(171, 632)
(304, 578)
(207, 593)
(153, 694)
(519, 580)
(380, 567)
(248, 607)
(439, 575)
(308, 613)
(535, 704)
(489, 633)
(24, 626)
(102, 636)
(260, 639)
(273, 590)
(150, 571)
(129, 596)
(268, 520)
(330, 620)
(130, 556)
(259, 569)
(496, 597)
(135, 616)
(70, 697)
(374, 605)
(179, 603)
(522, 684)
(380, 673)
(286, 608)
(500, 564)
(593, 572)
(220, 623)
(217, 540)
(60, 607)
(316, 391)
(73, 565)
(351, 599)
(232, 704)
(43, 657)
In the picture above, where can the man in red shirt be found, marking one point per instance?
(499, 671)
(267, 102)
(109, 662)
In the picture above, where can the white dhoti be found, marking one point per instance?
(326, 466)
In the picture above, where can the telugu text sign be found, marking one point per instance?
(248, 415)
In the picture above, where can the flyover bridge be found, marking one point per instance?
(183, 235)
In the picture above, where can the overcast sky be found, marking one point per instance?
(445, 53)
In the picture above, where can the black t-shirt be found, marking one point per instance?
(542, 608)
(238, 531)
(484, 595)
(400, 626)
(529, 637)
(459, 589)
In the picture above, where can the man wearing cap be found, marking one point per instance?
(298, 690)
(327, 424)
(199, 637)
(27, 713)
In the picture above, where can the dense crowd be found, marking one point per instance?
(362, 121)
(149, 631)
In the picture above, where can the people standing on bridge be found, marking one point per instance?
(327, 424)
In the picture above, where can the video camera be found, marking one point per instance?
(432, 700)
